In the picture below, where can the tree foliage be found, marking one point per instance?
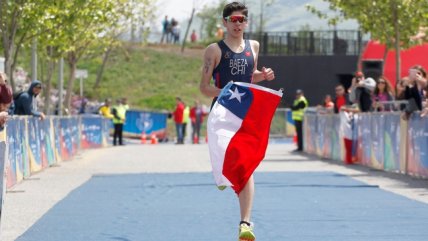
(211, 15)
(20, 21)
(392, 22)
(69, 29)
(380, 16)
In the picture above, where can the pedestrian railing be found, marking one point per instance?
(381, 140)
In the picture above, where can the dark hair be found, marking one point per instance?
(420, 69)
(388, 88)
(233, 7)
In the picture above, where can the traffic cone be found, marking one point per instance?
(295, 138)
(195, 140)
(153, 139)
(143, 138)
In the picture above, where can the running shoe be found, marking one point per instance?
(246, 233)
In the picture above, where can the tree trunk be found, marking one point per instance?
(187, 30)
(101, 69)
(8, 68)
(397, 44)
(48, 89)
(72, 63)
(8, 30)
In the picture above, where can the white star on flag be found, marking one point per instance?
(236, 94)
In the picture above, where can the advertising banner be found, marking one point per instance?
(418, 146)
(92, 132)
(392, 143)
(138, 122)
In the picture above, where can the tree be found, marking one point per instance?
(392, 22)
(211, 16)
(20, 21)
(135, 14)
(263, 4)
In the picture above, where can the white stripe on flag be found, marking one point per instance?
(222, 125)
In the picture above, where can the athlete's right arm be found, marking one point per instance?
(211, 58)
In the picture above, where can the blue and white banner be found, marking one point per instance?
(148, 122)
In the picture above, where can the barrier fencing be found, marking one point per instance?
(33, 144)
(282, 125)
(380, 140)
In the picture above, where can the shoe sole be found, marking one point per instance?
(246, 239)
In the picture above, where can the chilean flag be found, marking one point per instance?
(238, 131)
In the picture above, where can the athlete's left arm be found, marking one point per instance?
(265, 73)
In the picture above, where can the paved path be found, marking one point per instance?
(165, 192)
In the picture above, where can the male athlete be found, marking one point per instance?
(235, 59)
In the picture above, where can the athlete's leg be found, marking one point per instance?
(246, 204)
(246, 200)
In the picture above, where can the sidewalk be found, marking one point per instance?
(156, 192)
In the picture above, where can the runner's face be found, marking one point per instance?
(236, 24)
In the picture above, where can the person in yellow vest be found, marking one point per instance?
(105, 110)
(298, 109)
(125, 103)
(186, 119)
(119, 113)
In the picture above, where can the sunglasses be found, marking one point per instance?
(236, 18)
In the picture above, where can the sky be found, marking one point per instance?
(179, 9)
(283, 15)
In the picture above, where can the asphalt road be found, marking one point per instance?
(166, 192)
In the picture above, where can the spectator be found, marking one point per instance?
(328, 103)
(415, 89)
(383, 93)
(165, 25)
(219, 32)
(83, 104)
(342, 99)
(105, 109)
(5, 99)
(197, 118)
(186, 115)
(178, 119)
(125, 103)
(346, 133)
(298, 109)
(193, 37)
(362, 91)
(176, 33)
(25, 103)
(399, 92)
(119, 114)
(173, 24)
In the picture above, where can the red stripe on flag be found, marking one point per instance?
(247, 147)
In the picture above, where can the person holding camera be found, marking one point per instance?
(361, 92)
(415, 91)
(383, 93)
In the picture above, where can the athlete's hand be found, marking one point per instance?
(268, 74)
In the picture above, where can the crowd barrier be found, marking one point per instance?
(147, 122)
(282, 124)
(380, 140)
(33, 144)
